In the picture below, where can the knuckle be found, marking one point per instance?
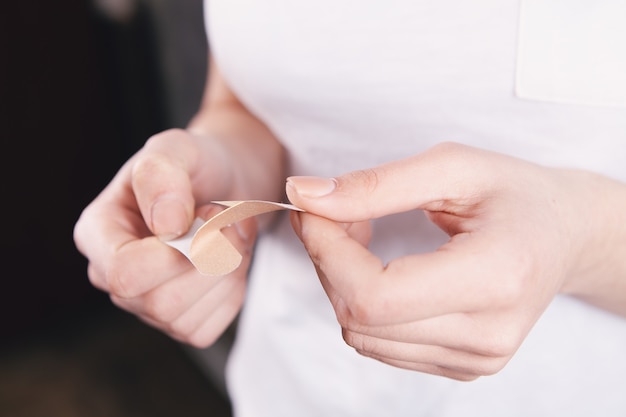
(448, 147)
(453, 152)
(162, 307)
(199, 340)
(165, 137)
(456, 375)
(182, 330)
(207, 333)
(368, 179)
(95, 277)
(146, 167)
(355, 340)
(500, 345)
(369, 305)
(361, 185)
(362, 310)
(120, 284)
(493, 366)
(467, 377)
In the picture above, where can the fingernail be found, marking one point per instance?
(312, 186)
(169, 218)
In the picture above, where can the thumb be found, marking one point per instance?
(446, 176)
(162, 185)
(166, 201)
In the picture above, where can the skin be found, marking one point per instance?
(519, 235)
(225, 154)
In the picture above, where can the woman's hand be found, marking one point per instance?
(519, 234)
(153, 198)
(226, 153)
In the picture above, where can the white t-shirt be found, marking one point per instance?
(351, 84)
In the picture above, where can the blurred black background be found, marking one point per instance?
(82, 85)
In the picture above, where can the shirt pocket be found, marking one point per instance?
(572, 51)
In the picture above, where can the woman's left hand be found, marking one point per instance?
(519, 234)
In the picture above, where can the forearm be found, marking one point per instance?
(600, 274)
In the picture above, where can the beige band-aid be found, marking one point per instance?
(206, 246)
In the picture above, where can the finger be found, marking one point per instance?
(171, 298)
(426, 368)
(446, 177)
(139, 265)
(100, 232)
(449, 280)
(109, 224)
(359, 231)
(457, 360)
(135, 267)
(209, 330)
(493, 334)
(161, 182)
(207, 318)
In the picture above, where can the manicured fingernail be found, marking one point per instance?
(169, 218)
(312, 186)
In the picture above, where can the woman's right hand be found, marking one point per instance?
(154, 197)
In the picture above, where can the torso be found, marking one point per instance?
(351, 84)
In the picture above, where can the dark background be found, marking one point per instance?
(80, 91)
(78, 97)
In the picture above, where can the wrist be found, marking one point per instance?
(598, 273)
